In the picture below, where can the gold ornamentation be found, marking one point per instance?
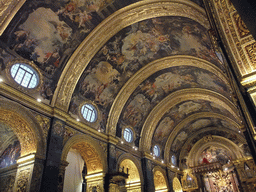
(242, 28)
(208, 138)
(90, 156)
(36, 177)
(189, 181)
(251, 51)
(21, 129)
(159, 181)
(133, 172)
(92, 188)
(8, 8)
(147, 71)
(23, 180)
(176, 185)
(232, 26)
(44, 123)
(129, 15)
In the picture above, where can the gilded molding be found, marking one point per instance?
(91, 143)
(22, 129)
(183, 123)
(25, 126)
(18, 86)
(173, 99)
(8, 9)
(108, 28)
(236, 34)
(147, 71)
(160, 179)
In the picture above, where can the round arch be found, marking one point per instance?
(25, 127)
(217, 141)
(147, 71)
(134, 166)
(90, 151)
(184, 151)
(180, 126)
(176, 185)
(108, 28)
(173, 99)
(160, 179)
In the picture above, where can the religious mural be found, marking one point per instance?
(137, 45)
(182, 110)
(48, 32)
(10, 155)
(195, 126)
(214, 154)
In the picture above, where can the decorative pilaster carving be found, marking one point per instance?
(23, 180)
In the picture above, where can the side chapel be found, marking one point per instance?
(127, 95)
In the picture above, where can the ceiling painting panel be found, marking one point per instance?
(48, 32)
(163, 83)
(136, 46)
(196, 125)
(182, 110)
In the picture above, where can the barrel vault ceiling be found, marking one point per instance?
(148, 65)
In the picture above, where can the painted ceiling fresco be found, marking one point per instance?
(158, 86)
(232, 136)
(182, 110)
(214, 154)
(48, 32)
(137, 45)
(196, 125)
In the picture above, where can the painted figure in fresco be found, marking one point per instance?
(214, 154)
(9, 156)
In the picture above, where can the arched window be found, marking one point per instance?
(24, 75)
(89, 113)
(156, 151)
(173, 159)
(128, 135)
